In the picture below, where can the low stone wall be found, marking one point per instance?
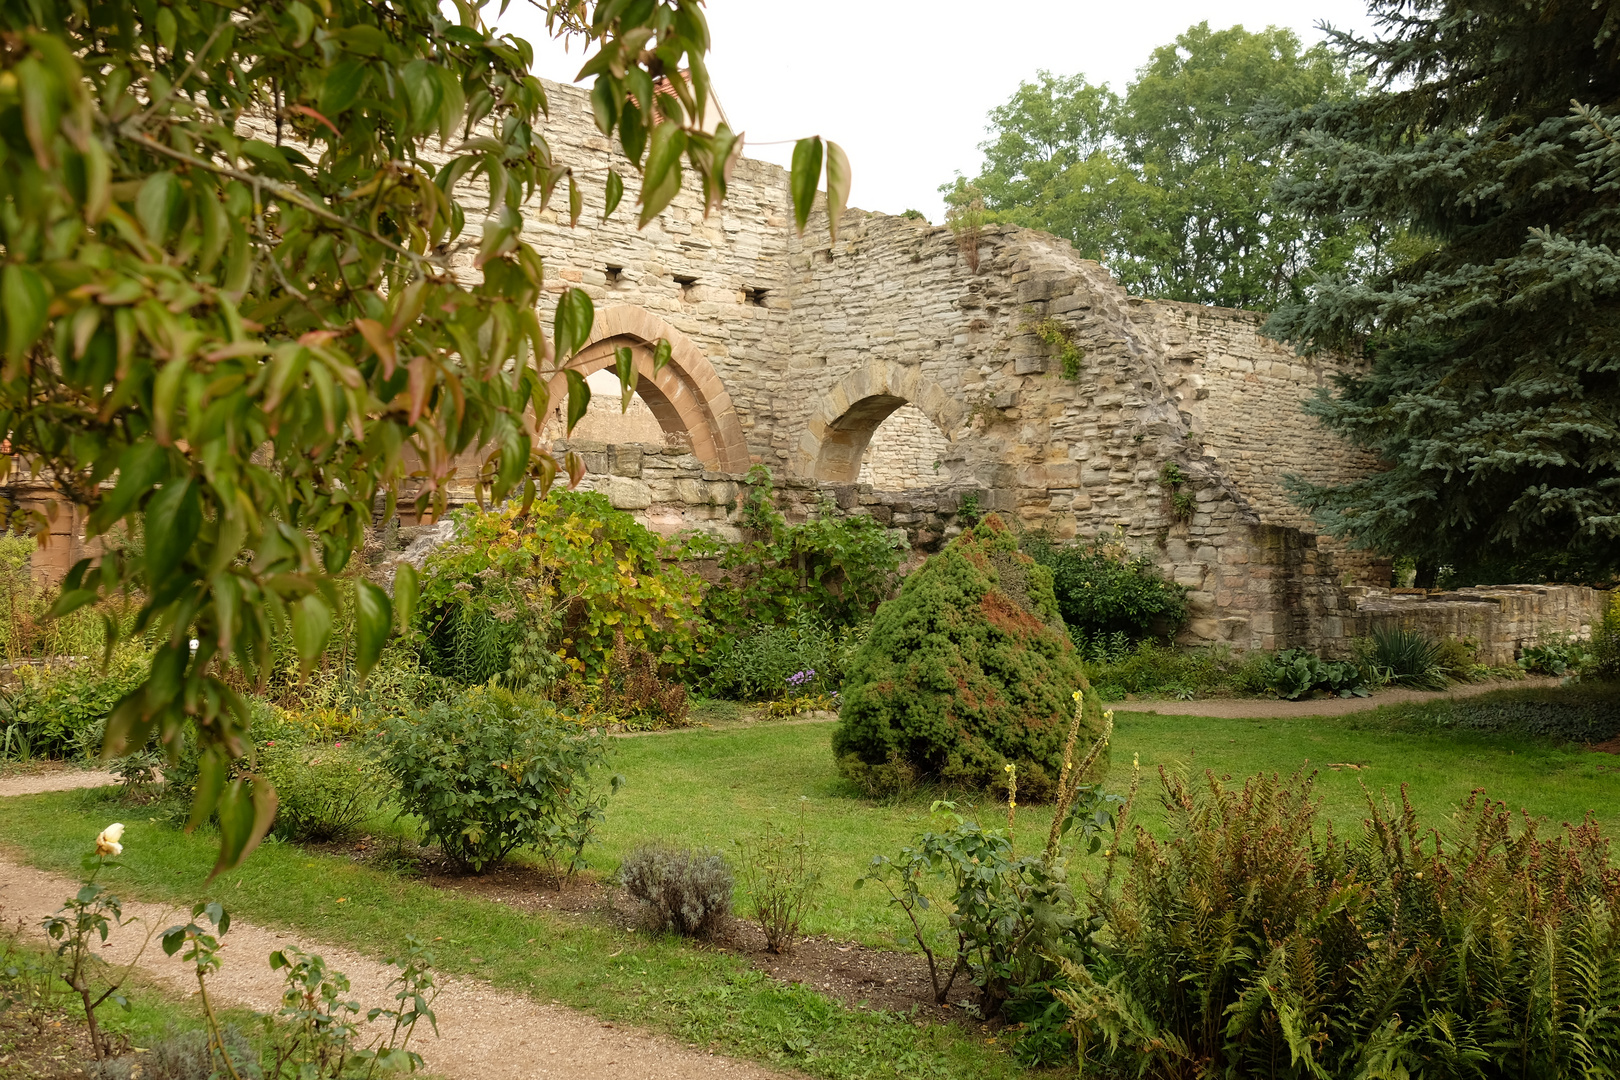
(1502, 620)
(669, 490)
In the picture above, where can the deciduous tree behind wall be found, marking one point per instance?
(1170, 186)
(227, 303)
(1494, 390)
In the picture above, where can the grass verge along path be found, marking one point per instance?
(703, 998)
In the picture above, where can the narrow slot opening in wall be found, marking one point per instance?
(614, 274)
(688, 285)
(754, 296)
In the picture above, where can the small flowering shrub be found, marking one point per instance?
(489, 772)
(806, 654)
(79, 930)
(514, 594)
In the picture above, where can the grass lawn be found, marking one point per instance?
(712, 787)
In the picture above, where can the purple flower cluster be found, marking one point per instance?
(801, 678)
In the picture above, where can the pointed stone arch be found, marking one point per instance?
(686, 396)
(841, 425)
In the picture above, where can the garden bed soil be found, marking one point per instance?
(45, 1044)
(857, 975)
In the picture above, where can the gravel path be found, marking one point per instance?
(35, 783)
(1268, 709)
(485, 1034)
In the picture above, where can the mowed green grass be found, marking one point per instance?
(711, 788)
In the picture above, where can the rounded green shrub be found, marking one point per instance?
(967, 670)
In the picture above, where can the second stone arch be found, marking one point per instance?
(840, 428)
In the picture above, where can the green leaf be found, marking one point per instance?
(155, 205)
(305, 20)
(579, 397)
(26, 302)
(167, 28)
(606, 97)
(662, 178)
(615, 193)
(624, 365)
(571, 325)
(374, 616)
(165, 398)
(661, 354)
(246, 810)
(312, 628)
(173, 519)
(806, 172)
(210, 782)
(838, 180)
(576, 201)
(406, 590)
(341, 88)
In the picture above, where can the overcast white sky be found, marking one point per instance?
(905, 86)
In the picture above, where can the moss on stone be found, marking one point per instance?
(968, 669)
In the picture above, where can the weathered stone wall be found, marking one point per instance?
(670, 491)
(907, 451)
(1503, 620)
(817, 344)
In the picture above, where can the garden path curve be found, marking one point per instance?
(485, 1034)
(1272, 709)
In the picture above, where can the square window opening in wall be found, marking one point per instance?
(613, 274)
(755, 296)
(688, 286)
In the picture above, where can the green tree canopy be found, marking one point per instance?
(1170, 186)
(228, 307)
(1493, 384)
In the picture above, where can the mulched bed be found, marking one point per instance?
(858, 976)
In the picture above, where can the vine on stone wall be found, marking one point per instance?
(1060, 336)
(1173, 480)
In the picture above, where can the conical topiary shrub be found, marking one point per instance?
(967, 670)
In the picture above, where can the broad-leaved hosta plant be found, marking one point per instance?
(227, 230)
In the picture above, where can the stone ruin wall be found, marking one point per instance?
(900, 345)
(669, 490)
(907, 451)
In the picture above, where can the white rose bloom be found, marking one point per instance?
(108, 842)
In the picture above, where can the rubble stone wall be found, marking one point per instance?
(907, 451)
(669, 490)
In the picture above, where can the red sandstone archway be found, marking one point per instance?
(686, 396)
